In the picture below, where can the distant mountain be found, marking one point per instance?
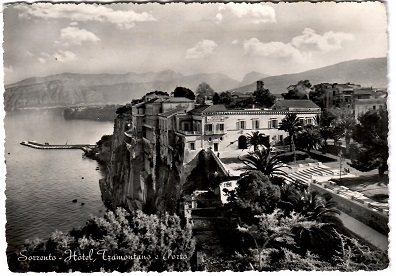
(366, 72)
(252, 77)
(70, 89)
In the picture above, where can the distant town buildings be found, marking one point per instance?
(353, 97)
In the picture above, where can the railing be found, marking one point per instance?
(211, 132)
(190, 132)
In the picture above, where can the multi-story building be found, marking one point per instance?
(165, 122)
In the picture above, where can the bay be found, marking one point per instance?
(42, 184)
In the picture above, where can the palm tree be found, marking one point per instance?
(256, 139)
(262, 160)
(309, 138)
(291, 124)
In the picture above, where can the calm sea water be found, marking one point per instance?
(41, 184)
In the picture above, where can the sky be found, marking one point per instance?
(232, 39)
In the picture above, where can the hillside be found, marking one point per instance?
(69, 89)
(366, 72)
(252, 77)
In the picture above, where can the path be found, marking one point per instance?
(370, 235)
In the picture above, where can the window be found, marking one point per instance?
(210, 139)
(309, 121)
(280, 137)
(302, 121)
(242, 124)
(273, 123)
(374, 107)
(221, 127)
(255, 124)
(209, 127)
(192, 146)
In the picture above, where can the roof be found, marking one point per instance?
(198, 110)
(363, 91)
(369, 101)
(171, 112)
(296, 104)
(215, 108)
(207, 108)
(178, 100)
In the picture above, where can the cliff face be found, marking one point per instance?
(129, 183)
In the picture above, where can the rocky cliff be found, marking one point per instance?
(164, 186)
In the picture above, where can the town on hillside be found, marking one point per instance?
(327, 139)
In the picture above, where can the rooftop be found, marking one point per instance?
(171, 112)
(296, 104)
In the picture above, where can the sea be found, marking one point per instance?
(41, 185)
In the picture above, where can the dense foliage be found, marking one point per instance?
(183, 92)
(119, 241)
(372, 135)
(290, 229)
(263, 98)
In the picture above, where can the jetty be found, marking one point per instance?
(36, 145)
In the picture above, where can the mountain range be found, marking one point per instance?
(366, 72)
(69, 89)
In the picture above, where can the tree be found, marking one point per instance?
(371, 133)
(261, 160)
(216, 98)
(298, 91)
(183, 92)
(119, 241)
(263, 97)
(291, 124)
(344, 124)
(254, 195)
(318, 95)
(256, 139)
(203, 90)
(309, 138)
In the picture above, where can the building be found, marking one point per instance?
(175, 124)
(364, 105)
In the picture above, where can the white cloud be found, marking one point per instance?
(202, 49)
(74, 35)
(329, 41)
(274, 49)
(8, 69)
(74, 24)
(60, 56)
(84, 13)
(64, 56)
(235, 42)
(300, 47)
(257, 13)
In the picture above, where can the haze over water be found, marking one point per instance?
(41, 184)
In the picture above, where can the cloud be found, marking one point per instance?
(202, 49)
(257, 13)
(273, 49)
(8, 69)
(300, 47)
(74, 35)
(329, 41)
(60, 56)
(84, 13)
(235, 42)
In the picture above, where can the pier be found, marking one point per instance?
(35, 145)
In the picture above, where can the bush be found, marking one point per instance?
(117, 242)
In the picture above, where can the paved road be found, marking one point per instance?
(373, 237)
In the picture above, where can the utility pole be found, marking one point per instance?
(341, 161)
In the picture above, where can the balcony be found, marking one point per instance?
(212, 132)
(190, 132)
